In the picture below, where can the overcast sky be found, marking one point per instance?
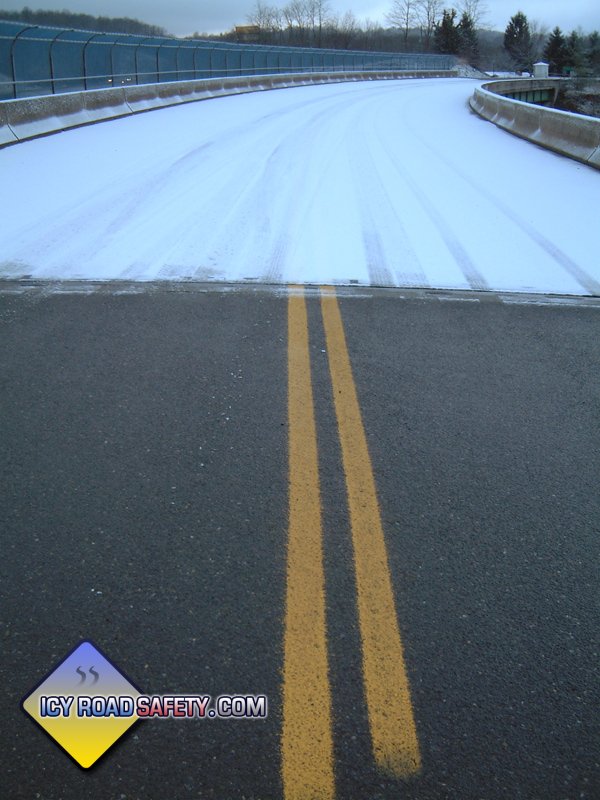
(181, 17)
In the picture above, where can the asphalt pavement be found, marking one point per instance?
(146, 507)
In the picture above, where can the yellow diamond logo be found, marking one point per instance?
(85, 704)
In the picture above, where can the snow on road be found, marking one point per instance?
(390, 183)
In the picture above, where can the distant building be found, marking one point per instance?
(247, 34)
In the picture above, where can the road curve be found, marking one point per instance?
(394, 183)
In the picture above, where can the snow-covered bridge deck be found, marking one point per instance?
(391, 184)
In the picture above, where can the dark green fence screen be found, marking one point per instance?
(36, 61)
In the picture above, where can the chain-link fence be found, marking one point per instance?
(37, 61)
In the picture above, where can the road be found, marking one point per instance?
(391, 183)
(376, 507)
(171, 493)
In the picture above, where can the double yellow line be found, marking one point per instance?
(307, 740)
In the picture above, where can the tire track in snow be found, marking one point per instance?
(277, 198)
(277, 258)
(262, 189)
(378, 213)
(474, 277)
(267, 240)
(586, 281)
(108, 220)
(248, 233)
(379, 274)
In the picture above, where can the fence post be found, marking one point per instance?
(83, 62)
(12, 56)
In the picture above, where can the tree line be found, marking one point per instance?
(312, 23)
(427, 26)
(86, 22)
(412, 26)
(573, 53)
(524, 44)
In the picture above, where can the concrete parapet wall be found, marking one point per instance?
(573, 135)
(38, 116)
(6, 134)
(505, 87)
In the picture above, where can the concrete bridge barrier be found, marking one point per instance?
(6, 134)
(38, 116)
(573, 135)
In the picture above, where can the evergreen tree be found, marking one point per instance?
(593, 53)
(576, 53)
(447, 36)
(517, 42)
(555, 52)
(469, 47)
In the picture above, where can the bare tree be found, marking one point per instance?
(428, 13)
(297, 17)
(322, 13)
(539, 34)
(348, 28)
(268, 18)
(403, 14)
(477, 10)
(259, 15)
(316, 14)
(342, 30)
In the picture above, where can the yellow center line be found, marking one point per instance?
(307, 747)
(391, 720)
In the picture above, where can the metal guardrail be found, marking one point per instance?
(39, 61)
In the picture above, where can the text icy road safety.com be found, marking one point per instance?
(146, 706)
